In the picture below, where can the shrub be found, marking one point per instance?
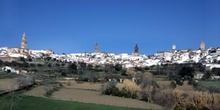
(50, 89)
(179, 82)
(191, 107)
(193, 83)
(172, 84)
(178, 108)
(111, 89)
(213, 89)
(165, 98)
(130, 86)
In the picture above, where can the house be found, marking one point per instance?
(9, 69)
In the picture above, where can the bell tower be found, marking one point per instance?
(136, 53)
(202, 46)
(96, 48)
(24, 42)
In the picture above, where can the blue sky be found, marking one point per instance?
(69, 26)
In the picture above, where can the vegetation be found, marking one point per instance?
(180, 99)
(50, 88)
(37, 103)
(143, 85)
(210, 83)
(3, 75)
(113, 90)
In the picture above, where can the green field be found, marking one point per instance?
(210, 83)
(7, 75)
(37, 103)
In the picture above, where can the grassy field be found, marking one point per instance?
(37, 103)
(160, 77)
(210, 83)
(8, 75)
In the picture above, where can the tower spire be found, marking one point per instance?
(24, 41)
(202, 46)
(96, 48)
(136, 50)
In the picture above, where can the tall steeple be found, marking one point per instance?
(24, 42)
(136, 50)
(96, 48)
(202, 46)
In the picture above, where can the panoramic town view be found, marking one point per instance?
(110, 55)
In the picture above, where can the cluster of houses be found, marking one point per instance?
(208, 57)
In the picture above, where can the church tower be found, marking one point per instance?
(24, 42)
(96, 48)
(136, 53)
(202, 46)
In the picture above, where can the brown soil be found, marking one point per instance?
(90, 93)
(37, 91)
(89, 96)
(8, 84)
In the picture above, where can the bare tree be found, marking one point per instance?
(20, 83)
(24, 82)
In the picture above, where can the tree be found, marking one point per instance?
(90, 66)
(73, 67)
(207, 75)
(22, 59)
(187, 72)
(48, 58)
(118, 67)
(39, 65)
(63, 64)
(1, 62)
(32, 65)
(24, 64)
(216, 71)
(49, 65)
(215, 61)
(172, 84)
(57, 64)
(82, 65)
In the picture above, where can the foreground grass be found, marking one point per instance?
(210, 83)
(4, 75)
(37, 103)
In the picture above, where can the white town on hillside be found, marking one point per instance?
(208, 57)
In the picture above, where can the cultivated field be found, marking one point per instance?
(210, 83)
(90, 93)
(37, 91)
(38, 103)
(8, 84)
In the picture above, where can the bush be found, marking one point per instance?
(178, 108)
(179, 82)
(113, 90)
(193, 82)
(51, 88)
(172, 84)
(165, 98)
(191, 107)
(213, 89)
(130, 86)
